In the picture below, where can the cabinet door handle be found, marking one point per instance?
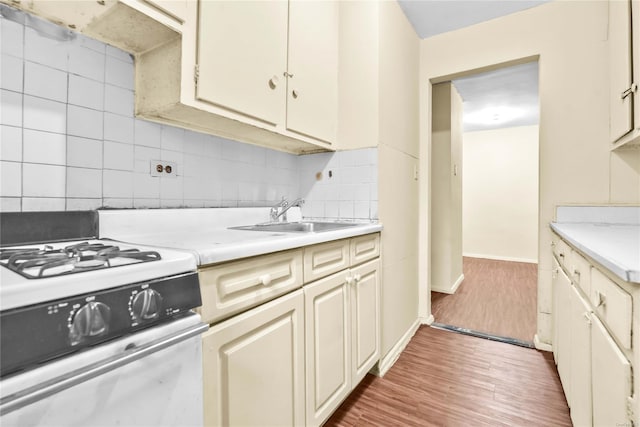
(357, 277)
(290, 75)
(295, 94)
(601, 299)
(349, 280)
(587, 317)
(265, 279)
(629, 91)
(273, 82)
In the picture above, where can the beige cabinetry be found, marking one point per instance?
(592, 335)
(342, 320)
(254, 366)
(292, 332)
(274, 61)
(624, 70)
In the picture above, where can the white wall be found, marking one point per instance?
(500, 194)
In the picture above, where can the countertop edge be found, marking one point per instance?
(632, 276)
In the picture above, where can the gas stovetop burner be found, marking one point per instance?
(36, 263)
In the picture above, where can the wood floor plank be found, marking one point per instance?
(448, 379)
(495, 297)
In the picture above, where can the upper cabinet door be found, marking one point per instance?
(242, 57)
(621, 121)
(312, 96)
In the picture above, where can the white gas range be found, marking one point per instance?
(89, 322)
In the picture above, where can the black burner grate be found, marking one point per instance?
(37, 263)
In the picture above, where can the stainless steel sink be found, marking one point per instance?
(297, 227)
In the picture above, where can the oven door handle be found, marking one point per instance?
(55, 385)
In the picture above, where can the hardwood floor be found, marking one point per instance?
(448, 379)
(496, 297)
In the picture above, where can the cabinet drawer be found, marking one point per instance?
(561, 250)
(324, 259)
(613, 306)
(235, 286)
(580, 271)
(364, 248)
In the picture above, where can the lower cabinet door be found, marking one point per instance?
(555, 306)
(365, 330)
(328, 345)
(580, 360)
(254, 366)
(611, 379)
(564, 332)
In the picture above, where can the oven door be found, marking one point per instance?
(152, 377)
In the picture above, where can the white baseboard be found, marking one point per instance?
(453, 288)
(387, 361)
(428, 320)
(541, 345)
(502, 258)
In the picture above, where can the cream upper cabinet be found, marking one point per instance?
(624, 68)
(242, 57)
(312, 96)
(272, 61)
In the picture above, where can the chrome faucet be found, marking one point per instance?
(278, 212)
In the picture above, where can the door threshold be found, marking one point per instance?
(478, 334)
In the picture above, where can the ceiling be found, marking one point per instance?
(503, 98)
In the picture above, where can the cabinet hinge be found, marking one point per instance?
(196, 73)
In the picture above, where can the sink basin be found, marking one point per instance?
(297, 227)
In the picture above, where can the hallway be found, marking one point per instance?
(449, 379)
(496, 297)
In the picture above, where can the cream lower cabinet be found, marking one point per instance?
(342, 336)
(254, 366)
(592, 342)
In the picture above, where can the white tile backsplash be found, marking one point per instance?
(118, 73)
(11, 143)
(118, 100)
(11, 184)
(84, 122)
(85, 92)
(83, 148)
(44, 114)
(11, 38)
(43, 180)
(44, 147)
(84, 152)
(85, 183)
(11, 107)
(87, 62)
(117, 184)
(43, 204)
(11, 73)
(118, 128)
(118, 156)
(45, 82)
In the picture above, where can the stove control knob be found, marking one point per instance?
(91, 320)
(146, 305)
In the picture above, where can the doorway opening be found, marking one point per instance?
(484, 204)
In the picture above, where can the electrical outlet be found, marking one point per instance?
(163, 168)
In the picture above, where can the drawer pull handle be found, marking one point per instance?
(601, 299)
(349, 280)
(265, 279)
(576, 273)
(357, 277)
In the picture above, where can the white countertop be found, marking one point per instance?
(205, 233)
(614, 246)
